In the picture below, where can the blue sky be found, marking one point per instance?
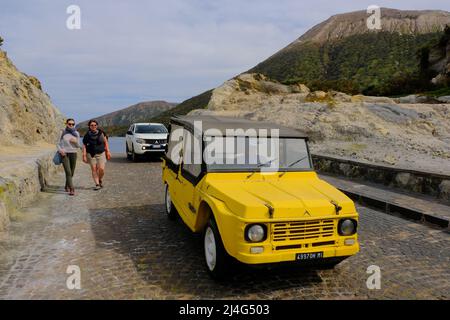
(133, 51)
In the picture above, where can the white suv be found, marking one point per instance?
(145, 138)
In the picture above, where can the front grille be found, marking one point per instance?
(300, 246)
(303, 230)
(155, 141)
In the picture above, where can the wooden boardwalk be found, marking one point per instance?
(415, 206)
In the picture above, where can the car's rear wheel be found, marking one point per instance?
(216, 257)
(171, 212)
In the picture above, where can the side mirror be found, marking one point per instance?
(130, 133)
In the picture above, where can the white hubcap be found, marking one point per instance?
(168, 201)
(210, 249)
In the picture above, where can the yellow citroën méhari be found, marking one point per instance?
(251, 189)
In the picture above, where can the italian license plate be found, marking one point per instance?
(309, 256)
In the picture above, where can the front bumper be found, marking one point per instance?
(316, 264)
(270, 256)
(149, 148)
(232, 231)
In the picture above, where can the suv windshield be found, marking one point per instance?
(153, 128)
(256, 154)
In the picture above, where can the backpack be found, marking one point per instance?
(104, 133)
(96, 146)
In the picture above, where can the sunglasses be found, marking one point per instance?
(71, 124)
(93, 125)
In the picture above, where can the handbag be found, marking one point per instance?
(57, 158)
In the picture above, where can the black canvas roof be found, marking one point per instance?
(221, 124)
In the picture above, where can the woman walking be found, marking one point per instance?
(96, 152)
(68, 145)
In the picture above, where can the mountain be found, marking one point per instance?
(392, 20)
(198, 102)
(410, 54)
(393, 131)
(120, 120)
(342, 53)
(27, 116)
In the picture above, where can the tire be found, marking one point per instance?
(217, 259)
(171, 211)
(134, 156)
(127, 151)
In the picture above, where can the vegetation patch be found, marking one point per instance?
(382, 63)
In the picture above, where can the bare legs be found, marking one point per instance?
(98, 171)
(94, 169)
(101, 171)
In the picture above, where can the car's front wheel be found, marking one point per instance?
(127, 151)
(134, 155)
(171, 212)
(216, 257)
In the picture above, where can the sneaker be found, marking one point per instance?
(72, 192)
(97, 187)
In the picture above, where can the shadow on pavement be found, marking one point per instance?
(60, 189)
(166, 253)
(54, 189)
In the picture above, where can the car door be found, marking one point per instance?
(173, 161)
(191, 169)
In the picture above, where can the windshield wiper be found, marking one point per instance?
(297, 161)
(293, 163)
(261, 165)
(266, 163)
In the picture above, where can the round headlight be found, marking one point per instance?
(256, 233)
(347, 227)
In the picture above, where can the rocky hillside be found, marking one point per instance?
(142, 111)
(342, 53)
(374, 129)
(398, 21)
(27, 116)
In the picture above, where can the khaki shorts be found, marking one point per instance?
(98, 159)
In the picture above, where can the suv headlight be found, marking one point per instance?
(255, 233)
(347, 227)
(140, 141)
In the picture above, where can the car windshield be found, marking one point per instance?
(256, 154)
(151, 128)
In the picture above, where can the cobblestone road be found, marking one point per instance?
(127, 249)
